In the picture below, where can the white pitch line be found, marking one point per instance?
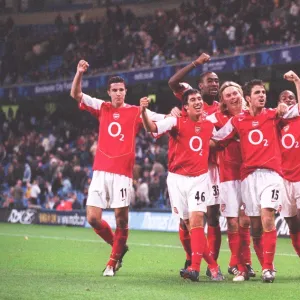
(59, 238)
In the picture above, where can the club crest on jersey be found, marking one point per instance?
(197, 129)
(255, 123)
(116, 116)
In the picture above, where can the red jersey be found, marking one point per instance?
(229, 159)
(188, 144)
(117, 131)
(259, 138)
(290, 149)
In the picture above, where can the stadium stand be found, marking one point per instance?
(125, 41)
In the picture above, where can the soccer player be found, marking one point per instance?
(209, 86)
(111, 184)
(261, 168)
(290, 149)
(230, 160)
(188, 179)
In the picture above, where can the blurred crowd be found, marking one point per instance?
(46, 162)
(125, 41)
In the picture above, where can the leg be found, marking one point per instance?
(121, 235)
(214, 231)
(197, 238)
(184, 236)
(101, 227)
(256, 226)
(244, 231)
(269, 243)
(294, 227)
(234, 244)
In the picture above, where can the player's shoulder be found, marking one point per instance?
(207, 123)
(268, 111)
(244, 114)
(213, 118)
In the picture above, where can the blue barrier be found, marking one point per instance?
(283, 55)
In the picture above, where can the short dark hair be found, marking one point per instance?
(202, 75)
(186, 94)
(115, 79)
(286, 91)
(247, 88)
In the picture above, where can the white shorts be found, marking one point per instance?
(214, 179)
(261, 189)
(230, 198)
(290, 198)
(108, 190)
(188, 194)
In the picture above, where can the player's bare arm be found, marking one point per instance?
(149, 125)
(174, 82)
(292, 76)
(76, 91)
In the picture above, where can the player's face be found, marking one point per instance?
(117, 93)
(258, 97)
(194, 105)
(232, 98)
(210, 85)
(288, 98)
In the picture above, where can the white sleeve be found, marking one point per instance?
(155, 116)
(224, 133)
(214, 131)
(165, 125)
(212, 118)
(89, 103)
(292, 112)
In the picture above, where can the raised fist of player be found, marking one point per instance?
(282, 108)
(202, 59)
(291, 76)
(144, 103)
(82, 66)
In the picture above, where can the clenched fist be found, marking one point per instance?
(291, 76)
(202, 59)
(144, 103)
(82, 66)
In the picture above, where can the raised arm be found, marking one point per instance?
(174, 82)
(148, 124)
(76, 91)
(292, 76)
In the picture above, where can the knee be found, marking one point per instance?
(256, 232)
(268, 223)
(122, 220)
(233, 224)
(244, 221)
(94, 220)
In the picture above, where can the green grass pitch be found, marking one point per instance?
(44, 262)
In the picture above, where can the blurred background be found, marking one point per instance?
(47, 145)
